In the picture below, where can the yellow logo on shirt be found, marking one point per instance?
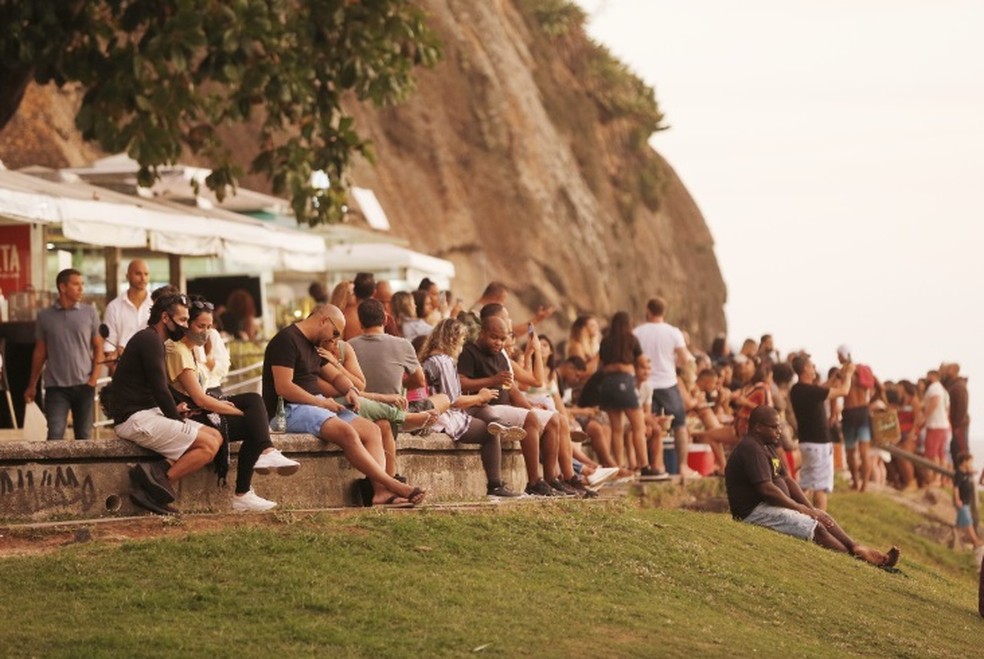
(775, 466)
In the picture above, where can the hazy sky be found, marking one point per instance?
(836, 150)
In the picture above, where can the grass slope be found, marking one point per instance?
(611, 579)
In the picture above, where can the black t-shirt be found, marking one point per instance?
(290, 348)
(965, 486)
(140, 380)
(751, 463)
(811, 414)
(476, 363)
(607, 355)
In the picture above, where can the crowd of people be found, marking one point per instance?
(599, 405)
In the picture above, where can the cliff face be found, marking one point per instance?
(508, 162)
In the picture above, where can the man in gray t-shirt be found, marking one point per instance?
(384, 359)
(68, 347)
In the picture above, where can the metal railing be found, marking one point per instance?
(229, 385)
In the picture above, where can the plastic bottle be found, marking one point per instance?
(279, 421)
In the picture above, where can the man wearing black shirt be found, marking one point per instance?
(482, 364)
(816, 475)
(145, 413)
(761, 492)
(291, 367)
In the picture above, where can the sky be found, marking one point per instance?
(836, 150)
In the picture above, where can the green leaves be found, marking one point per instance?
(160, 75)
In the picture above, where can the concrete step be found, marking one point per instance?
(88, 479)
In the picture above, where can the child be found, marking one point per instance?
(963, 494)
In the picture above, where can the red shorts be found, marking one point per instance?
(936, 439)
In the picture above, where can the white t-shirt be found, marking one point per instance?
(660, 342)
(940, 418)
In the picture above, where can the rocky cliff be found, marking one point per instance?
(515, 161)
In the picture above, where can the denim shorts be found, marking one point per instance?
(617, 391)
(856, 425)
(784, 520)
(964, 518)
(670, 401)
(310, 418)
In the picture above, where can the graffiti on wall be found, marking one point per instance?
(39, 488)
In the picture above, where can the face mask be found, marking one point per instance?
(197, 338)
(177, 333)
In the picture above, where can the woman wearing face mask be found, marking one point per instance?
(243, 415)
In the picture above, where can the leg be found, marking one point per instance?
(600, 436)
(389, 445)
(477, 433)
(531, 448)
(550, 447)
(565, 452)
(637, 422)
(441, 403)
(83, 402)
(200, 453)
(57, 403)
(618, 443)
(682, 439)
(852, 465)
(254, 429)
(865, 467)
(363, 447)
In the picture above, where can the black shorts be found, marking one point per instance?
(617, 391)
(421, 405)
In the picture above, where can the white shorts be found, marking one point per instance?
(817, 471)
(158, 433)
(543, 416)
(783, 520)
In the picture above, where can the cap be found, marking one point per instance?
(844, 351)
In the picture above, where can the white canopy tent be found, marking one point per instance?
(98, 216)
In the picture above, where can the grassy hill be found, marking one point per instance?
(611, 579)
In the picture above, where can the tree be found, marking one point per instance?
(161, 75)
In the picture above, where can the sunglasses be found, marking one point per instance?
(337, 333)
(201, 304)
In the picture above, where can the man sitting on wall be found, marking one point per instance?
(291, 366)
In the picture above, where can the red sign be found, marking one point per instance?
(15, 257)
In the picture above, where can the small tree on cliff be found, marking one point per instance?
(161, 76)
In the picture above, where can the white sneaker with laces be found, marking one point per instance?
(251, 503)
(276, 461)
(602, 475)
(506, 433)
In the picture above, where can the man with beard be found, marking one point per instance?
(145, 413)
(761, 492)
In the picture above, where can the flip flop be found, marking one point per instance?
(392, 503)
(416, 496)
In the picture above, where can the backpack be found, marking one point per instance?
(866, 379)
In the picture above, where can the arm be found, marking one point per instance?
(844, 386)
(38, 358)
(189, 381)
(474, 400)
(218, 358)
(416, 379)
(283, 385)
(494, 382)
(332, 381)
(97, 357)
(349, 367)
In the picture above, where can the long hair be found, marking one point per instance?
(447, 338)
(579, 335)
(341, 294)
(621, 337)
(403, 308)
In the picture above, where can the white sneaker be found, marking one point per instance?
(251, 503)
(602, 475)
(276, 461)
(506, 433)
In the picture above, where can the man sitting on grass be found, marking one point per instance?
(761, 491)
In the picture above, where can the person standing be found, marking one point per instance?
(856, 418)
(68, 348)
(665, 346)
(937, 410)
(816, 476)
(956, 386)
(128, 313)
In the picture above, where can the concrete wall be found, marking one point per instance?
(85, 479)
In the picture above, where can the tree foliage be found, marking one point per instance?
(162, 76)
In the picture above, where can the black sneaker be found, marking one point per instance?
(539, 489)
(143, 500)
(561, 489)
(153, 480)
(500, 491)
(581, 488)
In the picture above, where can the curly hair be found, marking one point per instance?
(447, 338)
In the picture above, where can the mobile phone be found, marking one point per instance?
(529, 329)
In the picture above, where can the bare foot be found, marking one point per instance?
(892, 557)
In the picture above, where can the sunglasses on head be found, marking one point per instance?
(202, 304)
